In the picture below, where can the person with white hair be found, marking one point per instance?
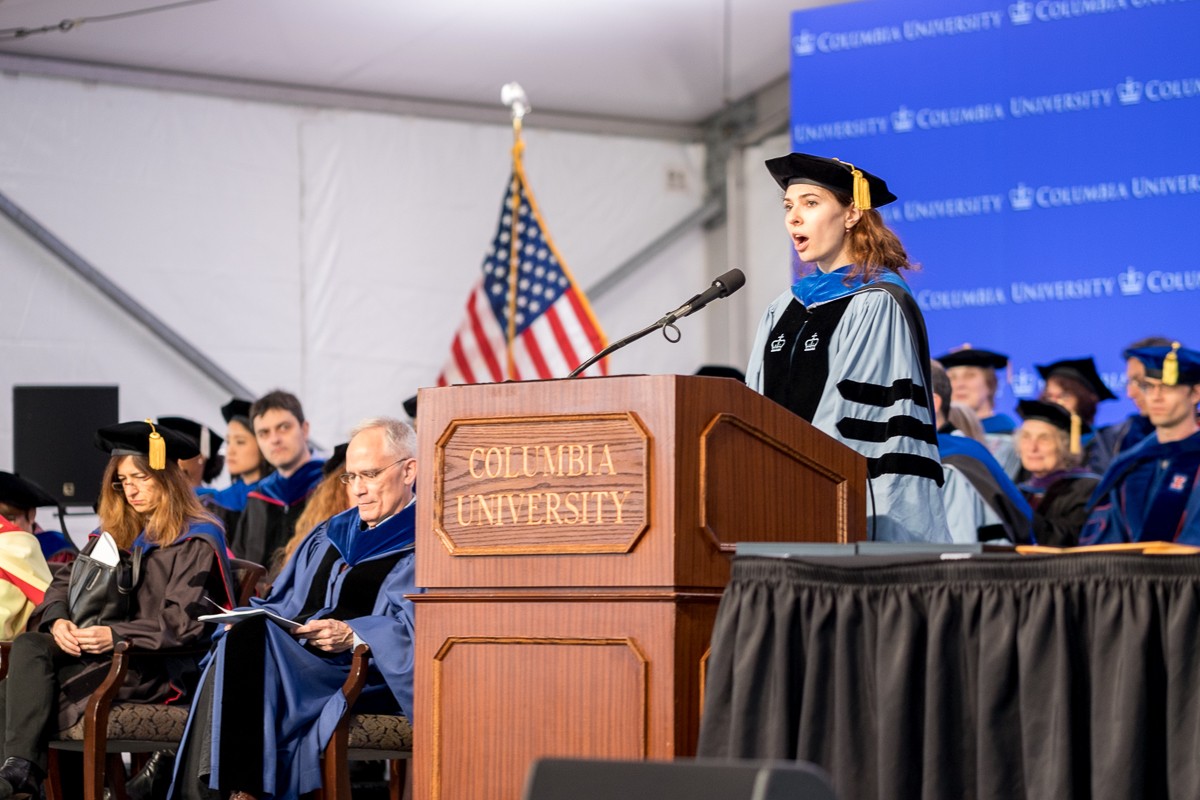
(271, 694)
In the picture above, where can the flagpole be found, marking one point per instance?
(513, 96)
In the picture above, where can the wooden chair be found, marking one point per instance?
(366, 737)
(109, 729)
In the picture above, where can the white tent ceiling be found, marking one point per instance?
(665, 61)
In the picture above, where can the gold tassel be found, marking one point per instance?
(1076, 434)
(861, 190)
(1171, 366)
(158, 448)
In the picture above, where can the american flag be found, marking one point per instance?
(553, 329)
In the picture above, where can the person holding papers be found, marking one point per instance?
(146, 506)
(271, 694)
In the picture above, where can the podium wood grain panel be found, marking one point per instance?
(615, 676)
(546, 634)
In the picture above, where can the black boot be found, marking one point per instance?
(154, 779)
(20, 779)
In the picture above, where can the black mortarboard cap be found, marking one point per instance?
(237, 408)
(721, 371)
(835, 175)
(1049, 412)
(410, 407)
(128, 438)
(1082, 370)
(973, 357)
(208, 441)
(24, 494)
(1157, 361)
(336, 461)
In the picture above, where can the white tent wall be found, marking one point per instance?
(324, 251)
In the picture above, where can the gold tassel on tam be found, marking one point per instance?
(861, 189)
(158, 448)
(1076, 434)
(1171, 366)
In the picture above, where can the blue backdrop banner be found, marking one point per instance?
(1046, 159)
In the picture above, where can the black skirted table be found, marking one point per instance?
(996, 676)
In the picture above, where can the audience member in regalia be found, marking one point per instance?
(272, 507)
(24, 576)
(1112, 440)
(270, 697)
(244, 462)
(1076, 385)
(331, 497)
(845, 346)
(1149, 492)
(1057, 488)
(982, 503)
(20, 499)
(973, 375)
(148, 507)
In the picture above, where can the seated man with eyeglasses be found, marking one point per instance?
(270, 697)
(1149, 492)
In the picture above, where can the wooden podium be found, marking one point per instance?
(574, 539)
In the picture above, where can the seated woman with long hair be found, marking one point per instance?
(148, 507)
(1058, 488)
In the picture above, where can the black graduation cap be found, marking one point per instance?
(1082, 370)
(336, 461)
(868, 191)
(410, 407)
(146, 438)
(237, 408)
(23, 494)
(208, 442)
(722, 371)
(1052, 413)
(973, 357)
(1158, 363)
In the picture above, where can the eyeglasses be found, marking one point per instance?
(369, 475)
(139, 480)
(1145, 387)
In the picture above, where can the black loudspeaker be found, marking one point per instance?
(54, 433)
(586, 779)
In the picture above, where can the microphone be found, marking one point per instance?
(723, 286)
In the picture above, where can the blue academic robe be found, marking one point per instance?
(303, 700)
(1148, 494)
(232, 497)
(999, 492)
(998, 423)
(271, 510)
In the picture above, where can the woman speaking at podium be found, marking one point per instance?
(845, 346)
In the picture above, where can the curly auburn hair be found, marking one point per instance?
(872, 244)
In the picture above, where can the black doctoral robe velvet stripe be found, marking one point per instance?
(998, 678)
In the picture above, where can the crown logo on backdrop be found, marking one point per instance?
(1021, 12)
(804, 43)
(1024, 384)
(1021, 197)
(1129, 92)
(902, 119)
(1131, 281)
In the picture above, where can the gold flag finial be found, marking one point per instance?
(1171, 365)
(158, 448)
